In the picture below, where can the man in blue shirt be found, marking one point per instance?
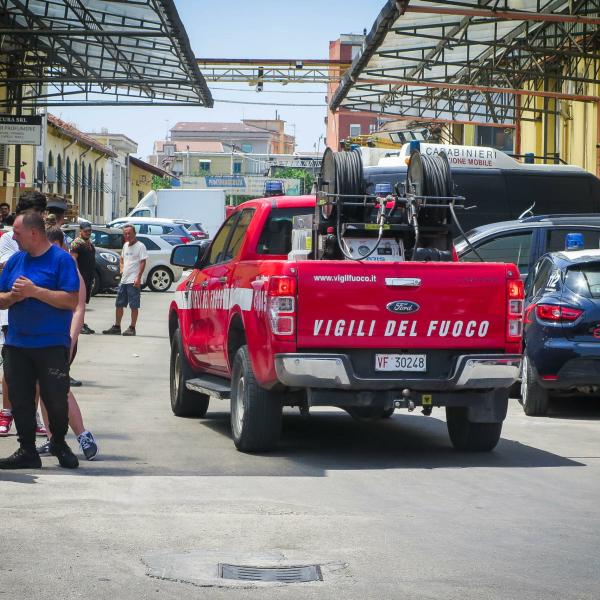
(39, 285)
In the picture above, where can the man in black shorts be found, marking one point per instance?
(84, 252)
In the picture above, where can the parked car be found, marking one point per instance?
(108, 273)
(197, 231)
(102, 236)
(159, 273)
(523, 241)
(172, 231)
(562, 328)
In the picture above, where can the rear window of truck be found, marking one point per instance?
(276, 237)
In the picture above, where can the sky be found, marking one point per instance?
(259, 29)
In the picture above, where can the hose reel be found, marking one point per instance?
(350, 218)
(341, 175)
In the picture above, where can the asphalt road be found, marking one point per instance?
(388, 509)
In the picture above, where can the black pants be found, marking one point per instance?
(23, 368)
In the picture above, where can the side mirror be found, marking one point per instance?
(187, 256)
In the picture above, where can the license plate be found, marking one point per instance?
(401, 362)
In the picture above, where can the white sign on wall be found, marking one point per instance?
(24, 130)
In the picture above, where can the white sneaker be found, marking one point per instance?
(88, 445)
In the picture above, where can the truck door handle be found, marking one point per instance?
(402, 281)
(222, 280)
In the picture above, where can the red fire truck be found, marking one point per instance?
(266, 319)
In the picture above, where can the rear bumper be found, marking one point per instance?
(566, 363)
(335, 371)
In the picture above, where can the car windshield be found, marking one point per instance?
(584, 280)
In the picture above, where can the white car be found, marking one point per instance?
(159, 273)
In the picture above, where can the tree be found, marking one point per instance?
(161, 183)
(305, 177)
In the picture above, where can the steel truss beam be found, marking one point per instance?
(253, 71)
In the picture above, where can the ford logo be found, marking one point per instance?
(401, 307)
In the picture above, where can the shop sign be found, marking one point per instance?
(24, 130)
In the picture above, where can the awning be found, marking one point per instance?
(105, 52)
(485, 61)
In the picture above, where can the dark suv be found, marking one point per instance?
(562, 328)
(523, 241)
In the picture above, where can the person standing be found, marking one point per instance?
(84, 252)
(29, 201)
(40, 287)
(4, 211)
(133, 263)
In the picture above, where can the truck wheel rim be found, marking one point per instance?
(161, 279)
(239, 404)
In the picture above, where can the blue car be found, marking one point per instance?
(562, 328)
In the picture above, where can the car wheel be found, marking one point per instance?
(370, 412)
(95, 283)
(255, 411)
(184, 402)
(534, 397)
(468, 436)
(159, 279)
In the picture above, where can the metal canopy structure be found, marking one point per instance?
(259, 71)
(481, 61)
(104, 52)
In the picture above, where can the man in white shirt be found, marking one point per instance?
(133, 263)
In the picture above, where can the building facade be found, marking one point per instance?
(346, 123)
(118, 175)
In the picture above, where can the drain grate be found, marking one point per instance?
(278, 574)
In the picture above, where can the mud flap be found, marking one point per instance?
(490, 409)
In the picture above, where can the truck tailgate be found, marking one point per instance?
(401, 305)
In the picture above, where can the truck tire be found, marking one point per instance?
(255, 412)
(370, 412)
(534, 398)
(184, 402)
(468, 436)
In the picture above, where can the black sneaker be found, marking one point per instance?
(65, 456)
(129, 331)
(114, 330)
(86, 330)
(74, 382)
(21, 459)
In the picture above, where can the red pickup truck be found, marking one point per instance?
(263, 331)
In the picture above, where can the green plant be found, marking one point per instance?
(293, 173)
(161, 183)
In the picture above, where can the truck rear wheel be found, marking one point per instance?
(255, 412)
(184, 402)
(469, 436)
(534, 397)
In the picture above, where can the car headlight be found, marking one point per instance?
(112, 267)
(111, 258)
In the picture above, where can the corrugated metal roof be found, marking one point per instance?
(470, 59)
(100, 52)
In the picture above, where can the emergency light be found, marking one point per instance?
(574, 241)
